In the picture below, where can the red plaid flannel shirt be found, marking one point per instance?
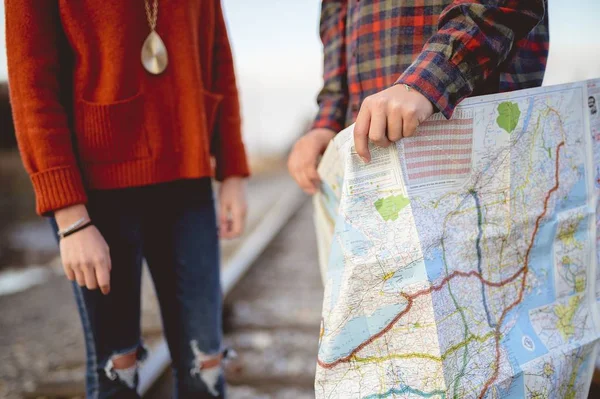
(447, 50)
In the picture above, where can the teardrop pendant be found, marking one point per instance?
(154, 54)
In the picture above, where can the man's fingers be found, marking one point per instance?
(394, 126)
(103, 279)
(305, 183)
(300, 177)
(361, 133)
(313, 176)
(378, 127)
(410, 124)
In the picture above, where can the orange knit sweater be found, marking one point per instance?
(87, 114)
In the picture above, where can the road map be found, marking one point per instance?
(462, 262)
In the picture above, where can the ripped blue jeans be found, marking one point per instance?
(173, 226)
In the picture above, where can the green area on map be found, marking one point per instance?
(508, 117)
(565, 314)
(390, 207)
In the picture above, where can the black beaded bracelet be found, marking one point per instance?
(83, 226)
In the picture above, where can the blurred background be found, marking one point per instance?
(278, 62)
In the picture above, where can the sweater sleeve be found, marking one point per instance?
(229, 150)
(473, 38)
(33, 38)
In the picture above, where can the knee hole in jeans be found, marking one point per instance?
(124, 366)
(209, 367)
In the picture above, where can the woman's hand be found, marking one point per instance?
(85, 254)
(232, 207)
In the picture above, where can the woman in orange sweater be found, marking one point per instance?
(119, 107)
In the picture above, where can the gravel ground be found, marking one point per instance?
(41, 343)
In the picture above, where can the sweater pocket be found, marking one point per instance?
(211, 109)
(111, 132)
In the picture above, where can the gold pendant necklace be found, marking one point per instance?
(154, 51)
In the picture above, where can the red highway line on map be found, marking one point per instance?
(410, 299)
(492, 379)
(457, 273)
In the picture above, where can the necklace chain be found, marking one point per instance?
(152, 15)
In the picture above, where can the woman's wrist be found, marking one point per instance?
(67, 217)
(81, 224)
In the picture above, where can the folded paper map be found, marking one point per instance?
(461, 262)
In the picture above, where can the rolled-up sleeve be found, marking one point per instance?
(473, 39)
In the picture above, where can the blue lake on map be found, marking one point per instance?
(335, 270)
(355, 331)
(353, 240)
(435, 265)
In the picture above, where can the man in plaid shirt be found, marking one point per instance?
(390, 64)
